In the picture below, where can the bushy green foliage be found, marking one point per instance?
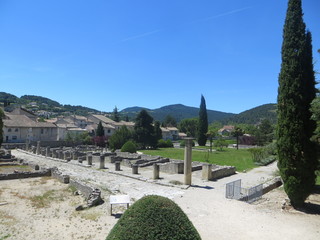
(203, 123)
(119, 138)
(183, 143)
(189, 126)
(154, 218)
(263, 155)
(220, 143)
(296, 153)
(130, 147)
(165, 143)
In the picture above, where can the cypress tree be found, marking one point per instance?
(203, 123)
(296, 152)
(100, 130)
(144, 130)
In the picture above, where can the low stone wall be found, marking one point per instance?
(274, 183)
(222, 171)
(18, 175)
(84, 189)
(55, 173)
(172, 167)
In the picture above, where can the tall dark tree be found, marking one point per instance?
(1, 126)
(203, 123)
(115, 115)
(144, 130)
(297, 154)
(100, 130)
(157, 131)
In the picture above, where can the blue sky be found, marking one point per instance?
(149, 53)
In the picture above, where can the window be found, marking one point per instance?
(109, 131)
(9, 130)
(42, 131)
(16, 130)
(14, 137)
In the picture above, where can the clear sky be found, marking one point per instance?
(148, 53)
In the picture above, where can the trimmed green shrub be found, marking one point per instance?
(183, 143)
(154, 218)
(165, 143)
(129, 147)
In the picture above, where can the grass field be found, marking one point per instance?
(241, 158)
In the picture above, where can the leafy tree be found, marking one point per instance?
(203, 123)
(296, 152)
(119, 138)
(264, 133)
(238, 132)
(169, 121)
(211, 134)
(154, 217)
(220, 143)
(144, 130)
(1, 126)
(157, 131)
(115, 115)
(189, 126)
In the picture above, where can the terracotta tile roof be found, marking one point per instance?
(24, 121)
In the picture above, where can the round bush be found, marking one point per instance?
(129, 147)
(154, 218)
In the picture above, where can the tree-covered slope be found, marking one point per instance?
(177, 111)
(255, 115)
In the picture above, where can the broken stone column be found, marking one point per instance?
(75, 155)
(89, 159)
(101, 161)
(47, 151)
(117, 166)
(65, 155)
(156, 171)
(38, 148)
(135, 169)
(188, 161)
(60, 154)
(27, 145)
(207, 171)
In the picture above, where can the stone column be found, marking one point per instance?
(89, 159)
(135, 169)
(53, 155)
(206, 171)
(188, 161)
(101, 161)
(60, 154)
(38, 148)
(117, 166)
(75, 155)
(156, 171)
(65, 155)
(47, 151)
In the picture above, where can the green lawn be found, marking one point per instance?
(241, 158)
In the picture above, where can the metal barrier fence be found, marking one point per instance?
(235, 191)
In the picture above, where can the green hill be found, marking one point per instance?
(255, 115)
(177, 111)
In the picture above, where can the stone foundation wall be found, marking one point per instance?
(10, 176)
(222, 171)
